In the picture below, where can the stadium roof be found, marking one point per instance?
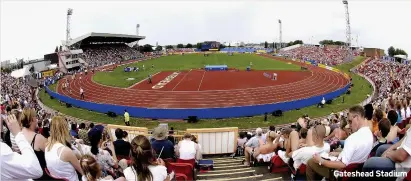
(92, 37)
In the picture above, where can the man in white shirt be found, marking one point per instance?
(357, 147)
(302, 155)
(395, 158)
(16, 166)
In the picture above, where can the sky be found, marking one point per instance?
(30, 29)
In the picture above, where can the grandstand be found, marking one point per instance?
(98, 49)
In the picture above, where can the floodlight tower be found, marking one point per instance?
(69, 13)
(137, 27)
(348, 26)
(281, 34)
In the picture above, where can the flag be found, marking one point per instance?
(279, 21)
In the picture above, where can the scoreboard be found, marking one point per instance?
(210, 45)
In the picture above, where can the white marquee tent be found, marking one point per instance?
(20, 72)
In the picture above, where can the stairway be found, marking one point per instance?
(232, 169)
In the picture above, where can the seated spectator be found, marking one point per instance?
(121, 147)
(83, 133)
(338, 134)
(376, 117)
(384, 128)
(194, 139)
(270, 128)
(144, 165)
(46, 128)
(102, 156)
(38, 142)
(303, 136)
(357, 147)
(291, 143)
(394, 130)
(302, 155)
(92, 170)
(251, 144)
(241, 140)
(187, 149)
(16, 166)
(161, 144)
(266, 151)
(73, 131)
(171, 135)
(394, 158)
(60, 159)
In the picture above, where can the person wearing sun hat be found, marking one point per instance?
(161, 144)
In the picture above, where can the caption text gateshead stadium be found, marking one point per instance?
(377, 173)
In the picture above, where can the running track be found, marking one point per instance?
(322, 81)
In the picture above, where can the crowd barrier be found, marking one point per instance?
(132, 131)
(216, 140)
(201, 113)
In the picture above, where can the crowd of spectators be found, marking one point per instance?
(328, 55)
(103, 55)
(37, 144)
(180, 50)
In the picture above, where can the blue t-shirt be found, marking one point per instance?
(168, 151)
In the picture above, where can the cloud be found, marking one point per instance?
(32, 29)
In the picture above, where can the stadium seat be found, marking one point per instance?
(183, 168)
(277, 165)
(180, 176)
(350, 168)
(54, 178)
(191, 162)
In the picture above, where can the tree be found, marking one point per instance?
(57, 49)
(169, 47)
(400, 52)
(265, 44)
(189, 45)
(147, 48)
(180, 46)
(391, 51)
(229, 44)
(159, 48)
(198, 45)
(296, 42)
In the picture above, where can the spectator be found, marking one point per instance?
(384, 128)
(83, 134)
(302, 155)
(102, 156)
(266, 152)
(92, 170)
(144, 164)
(60, 159)
(376, 118)
(171, 135)
(38, 142)
(16, 166)
(394, 130)
(161, 144)
(121, 147)
(356, 148)
(187, 149)
(396, 157)
(251, 144)
(73, 131)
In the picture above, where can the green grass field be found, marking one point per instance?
(359, 93)
(118, 77)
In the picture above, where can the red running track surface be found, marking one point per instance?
(194, 90)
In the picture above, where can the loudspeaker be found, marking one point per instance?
(192, 119)
(348, 92)
(111, 114)
(277, 113)
(68, 105)
(329, 101)
(51, 97)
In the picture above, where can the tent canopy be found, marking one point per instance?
(400, 56)
(20, 72)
